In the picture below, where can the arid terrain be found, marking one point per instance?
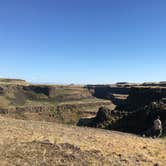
(42, 143)
(60, 103)
(38, 124)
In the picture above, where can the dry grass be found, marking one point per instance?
(41, 143)
(4, 102)
(72, 101)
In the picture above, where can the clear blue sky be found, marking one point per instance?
(83, 41)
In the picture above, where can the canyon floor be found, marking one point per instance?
(45, 143)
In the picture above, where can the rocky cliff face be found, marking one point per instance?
(104, 91)
(70, 103)
(17, 93)
(116, 93)
(66, 104)
(141, 96)
(137, 113)
(138, 122)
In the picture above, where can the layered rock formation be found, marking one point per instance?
(136, 114)
(141, 96)
(133, 112)
(48, 102)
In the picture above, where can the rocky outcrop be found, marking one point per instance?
(104, 91)
(137, 113)
(105, 119)
(154, 84)
(137, 95)
(110, 92)
(142, 96)
(103, 114)
(38, 89)
(69, 103)
(138, 122)
(19, 94)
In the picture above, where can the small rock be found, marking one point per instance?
(156, 164)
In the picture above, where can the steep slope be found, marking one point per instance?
(142, 95)
(41, 143)
(65, 104)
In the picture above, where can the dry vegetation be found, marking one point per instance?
(25, 142)
(65, 104)
(40, 143)
(12, 81)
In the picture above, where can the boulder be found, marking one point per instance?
(137, 122)
(103, 114)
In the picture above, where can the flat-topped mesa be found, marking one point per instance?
(12, 81)
(161, 84)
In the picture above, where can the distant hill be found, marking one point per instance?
(12, 81)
